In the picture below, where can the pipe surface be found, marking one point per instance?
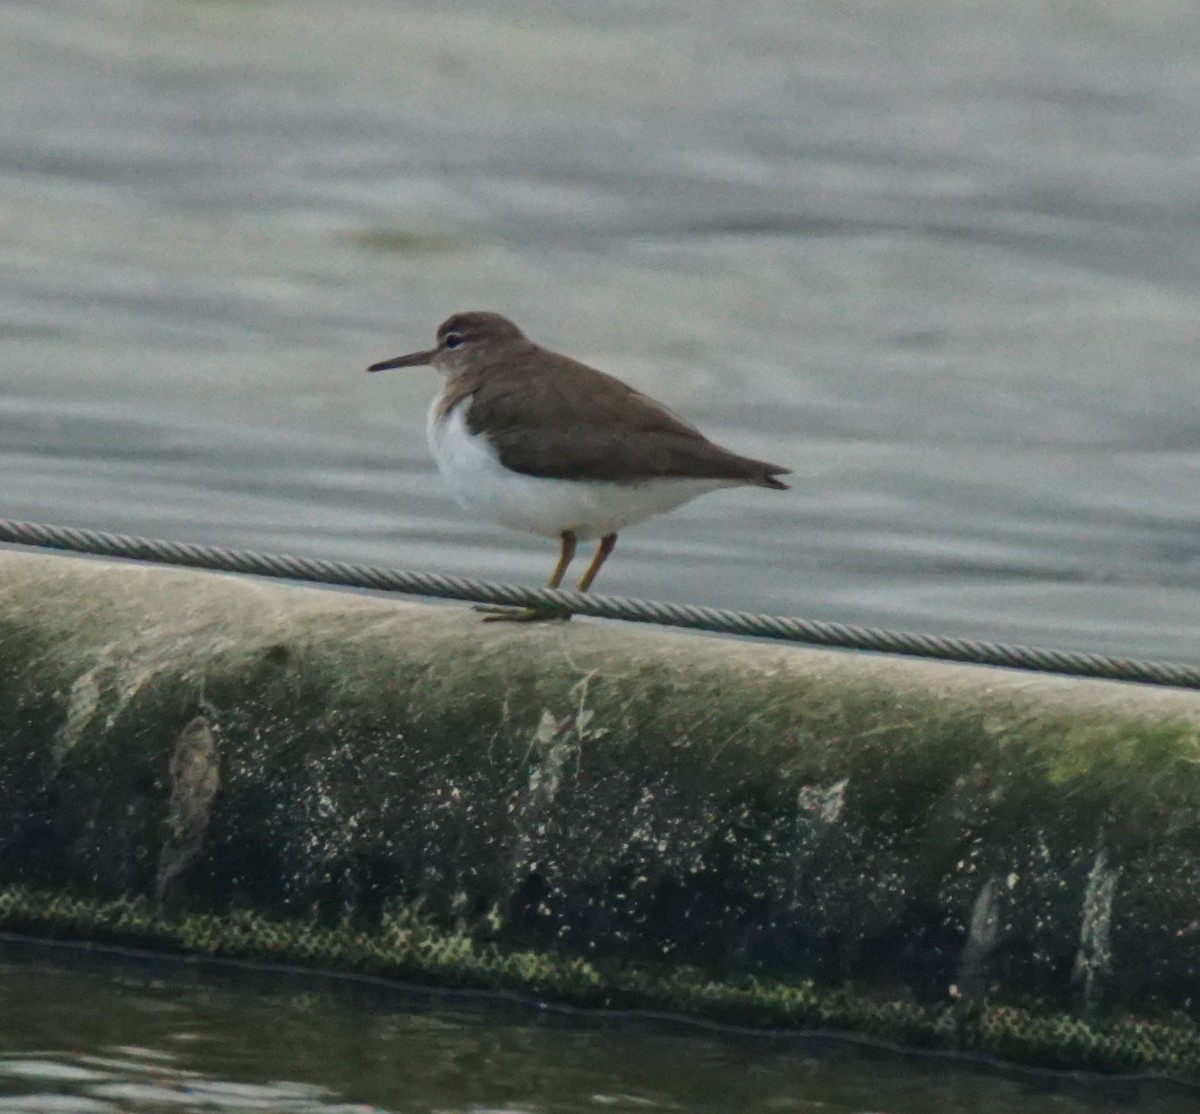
(940, 854)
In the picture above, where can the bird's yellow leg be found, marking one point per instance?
(605, 547)
(566, 555)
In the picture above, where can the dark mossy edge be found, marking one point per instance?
(409, 947)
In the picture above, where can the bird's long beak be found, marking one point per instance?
(413, 359)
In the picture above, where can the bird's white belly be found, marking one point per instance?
(536, 505)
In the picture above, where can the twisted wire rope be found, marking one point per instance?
(785, 628)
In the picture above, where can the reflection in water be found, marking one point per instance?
(141, 1079)
(119, 1033)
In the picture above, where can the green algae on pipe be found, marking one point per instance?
(945, 855)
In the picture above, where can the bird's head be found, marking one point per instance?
(466, 342)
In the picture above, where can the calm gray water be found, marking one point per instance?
(942, 259)
(107, 1036)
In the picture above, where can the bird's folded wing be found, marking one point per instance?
(591, 426)
(612, 455)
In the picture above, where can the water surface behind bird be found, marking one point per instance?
(939, 259)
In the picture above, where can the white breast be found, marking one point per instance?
(543, 506)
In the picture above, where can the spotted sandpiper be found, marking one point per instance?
(539, 442)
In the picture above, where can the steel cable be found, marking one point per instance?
(814, 632)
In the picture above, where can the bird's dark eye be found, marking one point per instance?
(452, 340)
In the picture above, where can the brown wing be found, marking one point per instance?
(572, 422)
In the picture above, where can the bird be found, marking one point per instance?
(536, 441)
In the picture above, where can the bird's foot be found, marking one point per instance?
(521, 614)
